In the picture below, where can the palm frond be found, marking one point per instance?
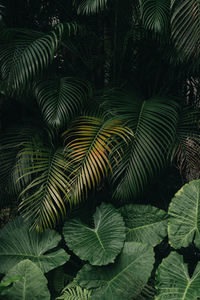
(90, 6)
(153, 123)
(42, 199)
(91, 146)
(11, 142)
(62, 99)
(155, 14)
(185, 24)
(75, 292)
(27, 54)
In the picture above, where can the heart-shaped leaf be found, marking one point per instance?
(99, 245)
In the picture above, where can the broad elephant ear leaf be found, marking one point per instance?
(122, 280)
(144, 223)
(62, 99)
(17, 243)
(184, 216)
(174, 281)
(32, 284)
(99, 245)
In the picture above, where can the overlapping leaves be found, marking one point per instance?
(124, 279)
(17, 243)
(91, 146)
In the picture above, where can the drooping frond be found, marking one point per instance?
(26, 55)
(156, 14)
(153, 123)
(10, 143)
(42, 198)
(91, 146)
(60, 100)
(90, 6)
(185, 24)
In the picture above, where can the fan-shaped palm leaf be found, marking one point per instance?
(61, 99)
(90, 6)
(27, 54)
(43, 197)
(156, 14)
(185, 23)
(153, 123)
(91, 145)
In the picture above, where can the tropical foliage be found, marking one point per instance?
(99, 127)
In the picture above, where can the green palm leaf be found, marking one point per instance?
(122, 280)
(90, 6)
(61, 99)
(99, 245)
(144, 223)
(27, 57)
(91, 145)
(185, 24)
(156, 14)
(184, 216)
(154, 125)
(75, 292)
(32, 284)
(17, 243)
(174, 282)
(44, 197)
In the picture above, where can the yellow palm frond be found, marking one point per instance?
(92, 146)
